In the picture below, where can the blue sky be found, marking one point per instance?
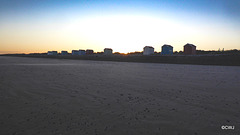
(216, 22)
(226, 7)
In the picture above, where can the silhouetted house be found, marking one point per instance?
(148, 50)
(75, 52)
(82, 52)
(88, 51)
(64, 53)
(49, 53)
(108, 51)
(167, 50)
(189, 49)
(52, 53)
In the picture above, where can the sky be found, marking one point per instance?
(37, 26)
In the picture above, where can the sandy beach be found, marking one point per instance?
(81, 97)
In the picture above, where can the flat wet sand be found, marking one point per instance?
(54, 96)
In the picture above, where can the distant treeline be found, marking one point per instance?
(198, 52)
(234, 51)
(226, 58)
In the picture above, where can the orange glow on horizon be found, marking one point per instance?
(122, 33)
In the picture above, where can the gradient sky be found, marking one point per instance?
(124, 25)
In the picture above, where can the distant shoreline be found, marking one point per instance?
(223, 60)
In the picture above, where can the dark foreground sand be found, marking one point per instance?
(67, 97)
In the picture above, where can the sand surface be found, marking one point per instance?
(68, 97)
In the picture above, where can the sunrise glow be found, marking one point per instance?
(125, 26)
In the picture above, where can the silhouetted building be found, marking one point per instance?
(82, 52)
(49, 53)
(167, 50)
(78, 52)
(108, 51)
(148, 50)
(75, 52)
(64, 53)
(52, 53)
(189, 49)
(88, 51)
